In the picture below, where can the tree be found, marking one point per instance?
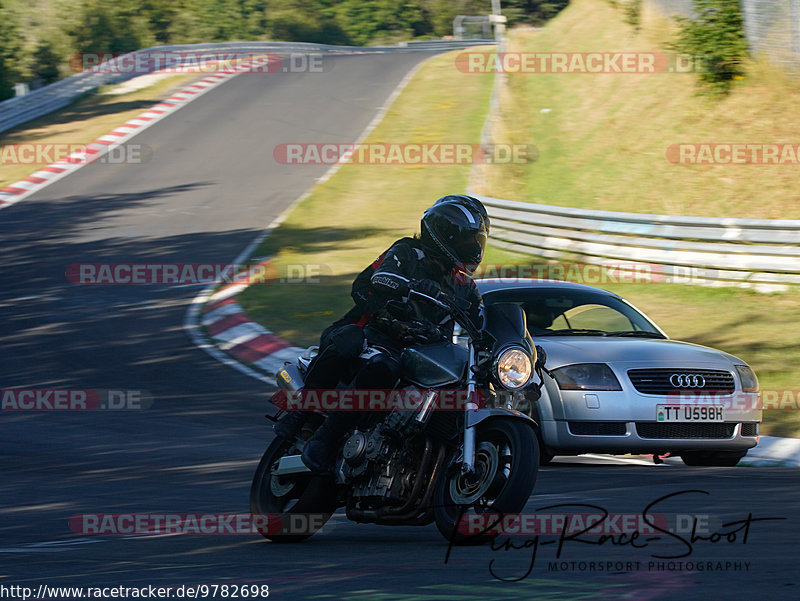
(116, 28)
(535, 12)
(46, 63)
(297, 27)
(10, 48)
(38, 37)
(442, 12)
(375, 21)
(305, 21)
(6, 85)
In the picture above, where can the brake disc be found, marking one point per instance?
(464, 490)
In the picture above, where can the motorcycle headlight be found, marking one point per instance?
(513, 368)
(586, 376)
(748, 378)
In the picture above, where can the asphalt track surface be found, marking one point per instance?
(210, 187)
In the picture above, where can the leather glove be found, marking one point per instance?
(415, 332)
(426, 333)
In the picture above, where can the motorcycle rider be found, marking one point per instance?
(450, 246)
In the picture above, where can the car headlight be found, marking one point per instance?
(748, 378)
(586, 376)
(513, 368)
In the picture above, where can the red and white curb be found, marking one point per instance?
(248, 342)
(95, 150)
(774, 451)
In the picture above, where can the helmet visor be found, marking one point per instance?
(470, 247)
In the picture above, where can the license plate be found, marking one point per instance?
(689, 413)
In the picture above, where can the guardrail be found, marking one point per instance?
(758, 253)
(16, 111)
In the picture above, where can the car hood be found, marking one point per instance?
(565, 350)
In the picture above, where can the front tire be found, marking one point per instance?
(712, 458)
(507, 463)
(302, 503)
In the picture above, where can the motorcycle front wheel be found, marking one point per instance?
(297, 505)
(506, 466)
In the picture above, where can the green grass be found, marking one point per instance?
(603, 142)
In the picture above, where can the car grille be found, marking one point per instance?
(750, 429)
(598, 428)
(681, 430)
(657, 381)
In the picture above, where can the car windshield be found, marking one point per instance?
(564, 312)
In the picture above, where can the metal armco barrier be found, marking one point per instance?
(16, 111)
(757, 253)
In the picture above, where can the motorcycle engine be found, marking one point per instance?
(380, 462)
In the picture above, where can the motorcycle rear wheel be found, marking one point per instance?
(507, 463)
(298, 505)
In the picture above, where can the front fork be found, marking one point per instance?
(468, 459)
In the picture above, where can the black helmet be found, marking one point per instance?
(454, 233)
(468, 201)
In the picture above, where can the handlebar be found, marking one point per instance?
(444, 301)
(438, 300)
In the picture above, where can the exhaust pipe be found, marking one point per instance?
(290, 377)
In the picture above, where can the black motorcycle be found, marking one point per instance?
(413, 466)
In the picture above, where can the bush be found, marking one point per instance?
(633, 13)
(715, 40)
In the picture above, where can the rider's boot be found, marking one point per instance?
(319, 454)
(289, 426)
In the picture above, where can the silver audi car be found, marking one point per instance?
(615, 382)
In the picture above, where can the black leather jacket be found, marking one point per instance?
(391, 275)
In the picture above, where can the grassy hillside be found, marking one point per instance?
(603, 137)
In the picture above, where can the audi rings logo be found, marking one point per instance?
(687, 381)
